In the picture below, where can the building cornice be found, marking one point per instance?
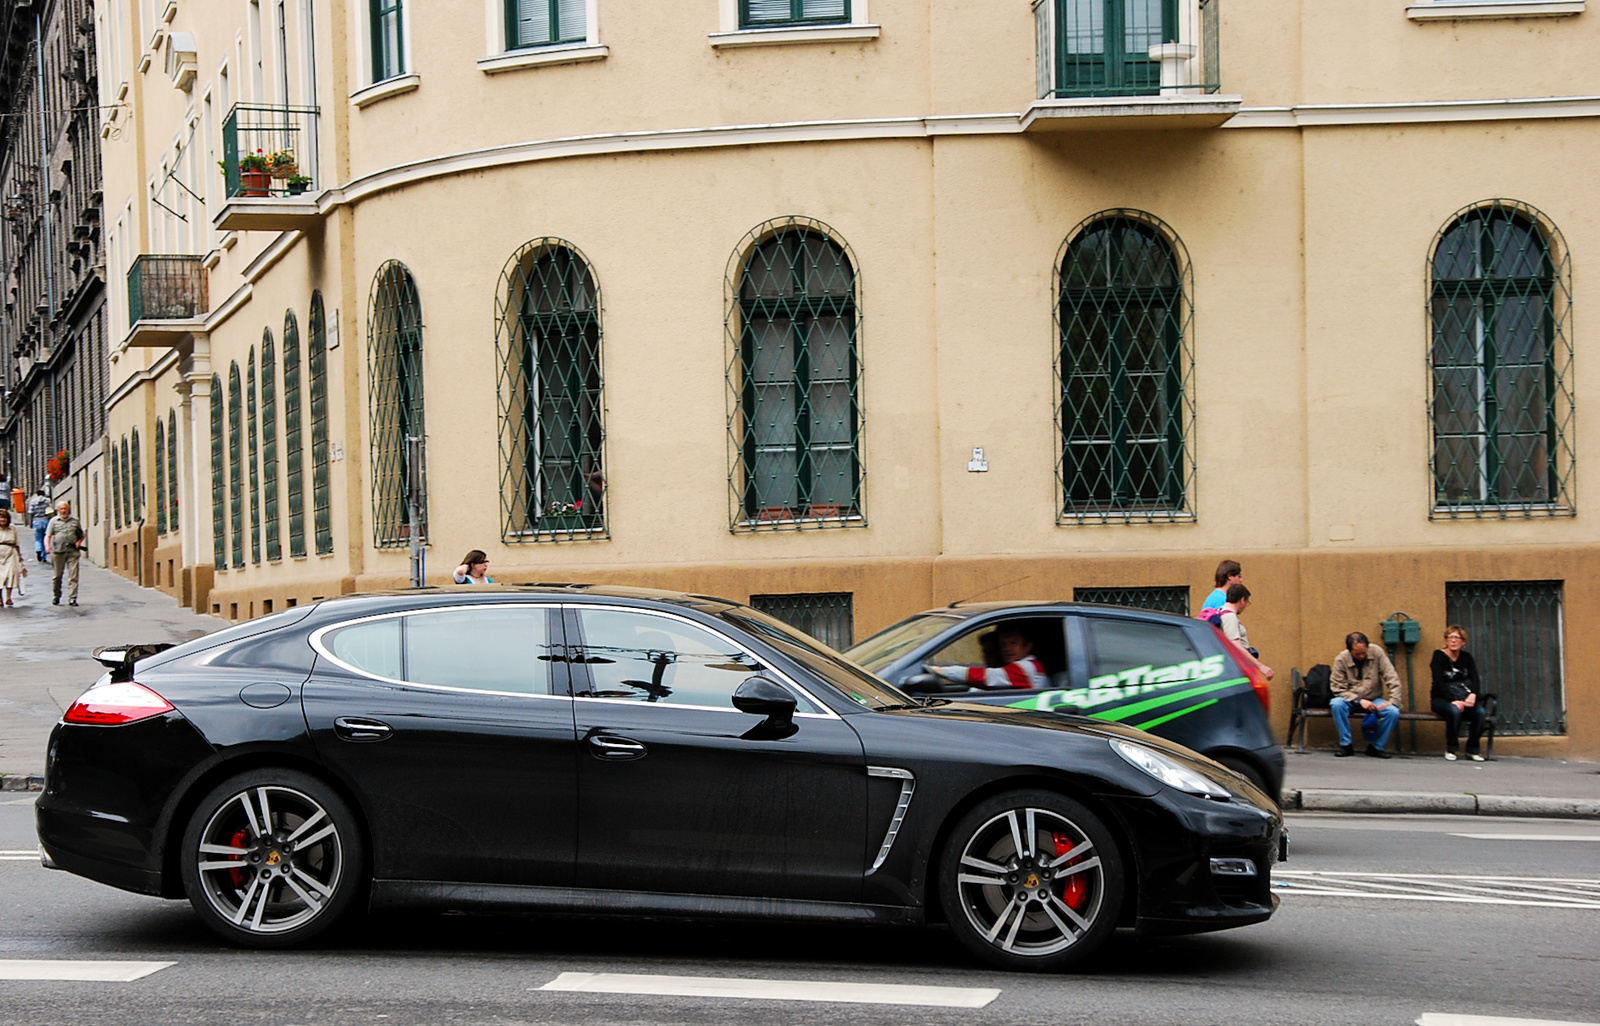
(139, 377)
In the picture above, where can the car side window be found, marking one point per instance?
(372, 647)
(980, 646)
(494, 648)
(1132, 653)
(662, 660)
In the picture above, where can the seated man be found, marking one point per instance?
(1022, 668)
(1364, 677)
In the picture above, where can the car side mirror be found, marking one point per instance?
(922, 684)
(761, 696)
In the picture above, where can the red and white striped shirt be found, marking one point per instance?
(1025, 673)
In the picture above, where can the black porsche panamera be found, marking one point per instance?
(607, 750)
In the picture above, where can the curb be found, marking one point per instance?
(1445, 804)
(13, 782)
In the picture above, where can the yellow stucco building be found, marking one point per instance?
(727, 296)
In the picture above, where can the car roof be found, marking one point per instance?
(343, 605)
(966, 610)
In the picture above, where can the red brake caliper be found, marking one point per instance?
(241, 840)
(1076, 892)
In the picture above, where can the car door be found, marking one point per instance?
(677, 792)
(454, 726)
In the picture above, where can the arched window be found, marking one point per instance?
(321, 478)
(252, 430)
(547, 338)
(294, 451)
(138, 481)
(161, 477)
(219, 485)
(235, 465)
(127, 487)
(794, 372)
(269, 445)
(394, 354)
(172, 471)
(116, 489)
(1124, 356)
(1501, 407)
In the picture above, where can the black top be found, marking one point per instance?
(1447, 672)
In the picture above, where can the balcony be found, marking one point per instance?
(1128, 64)
(167, 300)
(270, 161)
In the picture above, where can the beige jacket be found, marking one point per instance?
(1375, 677)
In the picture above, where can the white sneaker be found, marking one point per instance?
(1477, 758)
(1450, 756)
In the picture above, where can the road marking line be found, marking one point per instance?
(33, 852)
(20, 858)
(1449, 1019)
(1527, 837)
(774, 990)
(90, 972)
(1583, 894)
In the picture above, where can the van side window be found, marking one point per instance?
(1132, 653)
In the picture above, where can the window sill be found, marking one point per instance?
(1507, 511)
(516, 60)
(385, 89)
(1505, 9)
(794, 34)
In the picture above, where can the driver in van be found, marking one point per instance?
(1022, 668)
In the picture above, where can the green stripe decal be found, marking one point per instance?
(1129, 711)
(1147, 724)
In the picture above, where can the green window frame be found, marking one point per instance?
(1500, 404)
(1124, 358)
(235, 466)
(116, 489)
(269, 447)
(388, 39)
(172, 471)
(161, 477)
(294, 451)
(794, 380)
(531, 23)
(1102, 46)
(219, 482)
(777, 13)
(321, 472)
(395, 399)
(253, 436)
(138, 480)
(552, 428)
(127, 487)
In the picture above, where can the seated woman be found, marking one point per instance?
(1457, 692)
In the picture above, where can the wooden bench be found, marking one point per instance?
(1299, 713)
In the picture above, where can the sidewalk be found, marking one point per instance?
(1508, 786)
(44, 654)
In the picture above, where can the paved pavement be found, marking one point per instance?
(45, 664)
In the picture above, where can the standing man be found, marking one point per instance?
(1363, 676)
(1229, 573)
(38, 513)
(65, 537)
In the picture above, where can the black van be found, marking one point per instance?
(1171, 675)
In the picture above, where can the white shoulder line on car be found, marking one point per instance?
(98, 971)
(774, 990)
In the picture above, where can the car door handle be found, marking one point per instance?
(615, 749)
(358, 728)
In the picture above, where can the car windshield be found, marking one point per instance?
(891, 643)
(860, 685)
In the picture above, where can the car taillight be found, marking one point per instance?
(1242, 659)
(122, 702)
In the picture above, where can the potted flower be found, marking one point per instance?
(282, 164)
(563, 516)
(299, 184)
(254, 178)
(56, 467)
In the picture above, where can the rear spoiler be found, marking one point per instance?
(120, 658)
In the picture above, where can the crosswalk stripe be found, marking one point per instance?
(1528, 837)
(774, 990)
(30, 852)
(77, 971)
(1532, 893)
(1451, 1019)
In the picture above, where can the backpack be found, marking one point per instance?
(1212, 616)
(1319, 686)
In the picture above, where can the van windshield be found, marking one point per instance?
(891, 643)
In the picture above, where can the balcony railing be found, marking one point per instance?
(167, 288)
(270, 151)
(1127, 48)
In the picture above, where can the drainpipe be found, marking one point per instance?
(44, 210)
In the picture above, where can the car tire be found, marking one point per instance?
(1039, 909)
(272, 858)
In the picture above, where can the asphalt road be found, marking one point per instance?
(1438, 923)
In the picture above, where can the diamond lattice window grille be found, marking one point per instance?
(235, 466)
(269, 446)
(395, 391)
(793, 294)
(1164, 599)
(138, 480)
(219, 485)
(172, 471)
(116, 489)
(252, 423)
(1515, 632)
(552, 424)
(827, 616)
(1124, 362)
(321, 471)
(161, 477)
(294, 452)
(1500, 365)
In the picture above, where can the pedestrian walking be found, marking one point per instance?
(1229, 573)
(12, 567)
(38, 511)
(1233, 628)
(1457, 692)
(65, 537)
(474, 568)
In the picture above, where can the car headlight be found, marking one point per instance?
(1170, 772)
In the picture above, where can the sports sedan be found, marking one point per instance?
(618, 751)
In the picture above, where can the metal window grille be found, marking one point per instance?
(1515, 634)
(552, 431)
(388, 53)
(252, 424)
(165, 287)
(1500, 361)
(293, 450)
(235, 466)
(1162, 599)
(269, 445)
(794, 378)
(138, 480)
(395, 391)
(172, 471)
(219, 519)
(321, 473)
(545, 22)
(769, 13)
(1124, 358)
(161, 477)
(1117, 47)
(116, 490)
(827, 616)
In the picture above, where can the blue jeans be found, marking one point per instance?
(1340, 709)
(1473, 715)
(39, 527)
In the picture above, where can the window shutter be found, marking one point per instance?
(767, 11)
(837, 10)
(533, 22)
(574, 24)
